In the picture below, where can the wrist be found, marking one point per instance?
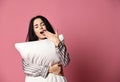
(50, 71)
(57, 42)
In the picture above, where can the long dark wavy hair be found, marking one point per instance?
(31, 36)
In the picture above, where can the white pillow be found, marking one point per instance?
(24, 48)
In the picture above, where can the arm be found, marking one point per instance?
(62, 53)
(34, 70)
(61, 50)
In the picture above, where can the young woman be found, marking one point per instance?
(44, 54)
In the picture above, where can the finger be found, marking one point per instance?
(47, 33)
(56, 32)
(59, 65)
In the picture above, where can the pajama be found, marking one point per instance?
(38, 56)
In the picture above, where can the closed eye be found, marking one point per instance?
(42, 24)
(36, 26)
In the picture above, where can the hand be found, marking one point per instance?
(52, 37)
(56, 69)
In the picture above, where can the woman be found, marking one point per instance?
(44, 54)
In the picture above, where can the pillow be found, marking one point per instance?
(24, 48)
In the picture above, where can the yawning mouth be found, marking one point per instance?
(42, 32)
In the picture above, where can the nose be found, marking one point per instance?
(40, 27)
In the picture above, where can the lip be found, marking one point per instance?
(41, 32)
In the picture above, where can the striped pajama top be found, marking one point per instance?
(38, 56)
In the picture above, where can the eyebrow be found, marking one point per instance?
(41, 22)
(36, 25)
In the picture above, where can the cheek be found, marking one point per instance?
(36, 31)
(44, 27)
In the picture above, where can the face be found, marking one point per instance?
(39, 28)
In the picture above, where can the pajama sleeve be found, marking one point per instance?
(30, 68)
(34, 70)
(62, 53)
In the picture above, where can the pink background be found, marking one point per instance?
(91, 29)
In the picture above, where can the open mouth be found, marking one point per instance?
(42, 32)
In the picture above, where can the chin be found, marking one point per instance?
(42, 38)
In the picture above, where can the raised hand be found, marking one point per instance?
(52, 37)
